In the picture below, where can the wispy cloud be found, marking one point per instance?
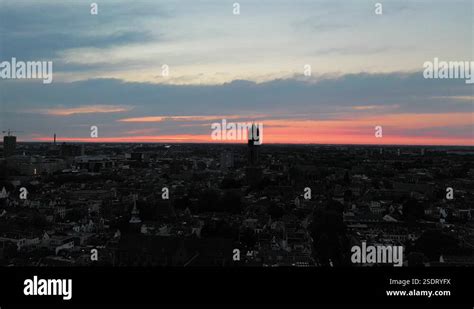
(178, 138)
(463, 98)
(360, 50)
(375, 107)
(89, 109)
(341, 109)
(188, 118)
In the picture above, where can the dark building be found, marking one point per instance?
(68, 150)
(227, 160)
(253, 145)
(254, 175)
(144, 250)
(253, 171)
(9, 145)
(135, 221)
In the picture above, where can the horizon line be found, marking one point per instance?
(245, 143)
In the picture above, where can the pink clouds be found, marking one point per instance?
(408, 129)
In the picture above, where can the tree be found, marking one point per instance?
(231, 202)
(208, 200)
(412, 210)
(230, 183)
(181, 203)
(347, 195)
(415, 259)
(275, 211)
(75, 214)
(248, 238)
(328, 231)
(434, 243)
(347, 178)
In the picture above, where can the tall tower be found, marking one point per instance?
(253, 171)
(253, 145)
(135, 219)
(9, 145)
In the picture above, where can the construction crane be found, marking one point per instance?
(9, 132)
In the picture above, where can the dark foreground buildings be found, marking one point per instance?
(233, 205)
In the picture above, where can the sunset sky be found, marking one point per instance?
(366, 70)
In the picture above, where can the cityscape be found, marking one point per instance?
(245, 152)
(232, 205)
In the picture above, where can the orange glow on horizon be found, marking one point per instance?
(398, 129)
(275, 139)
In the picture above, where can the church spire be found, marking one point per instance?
(135, 212)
